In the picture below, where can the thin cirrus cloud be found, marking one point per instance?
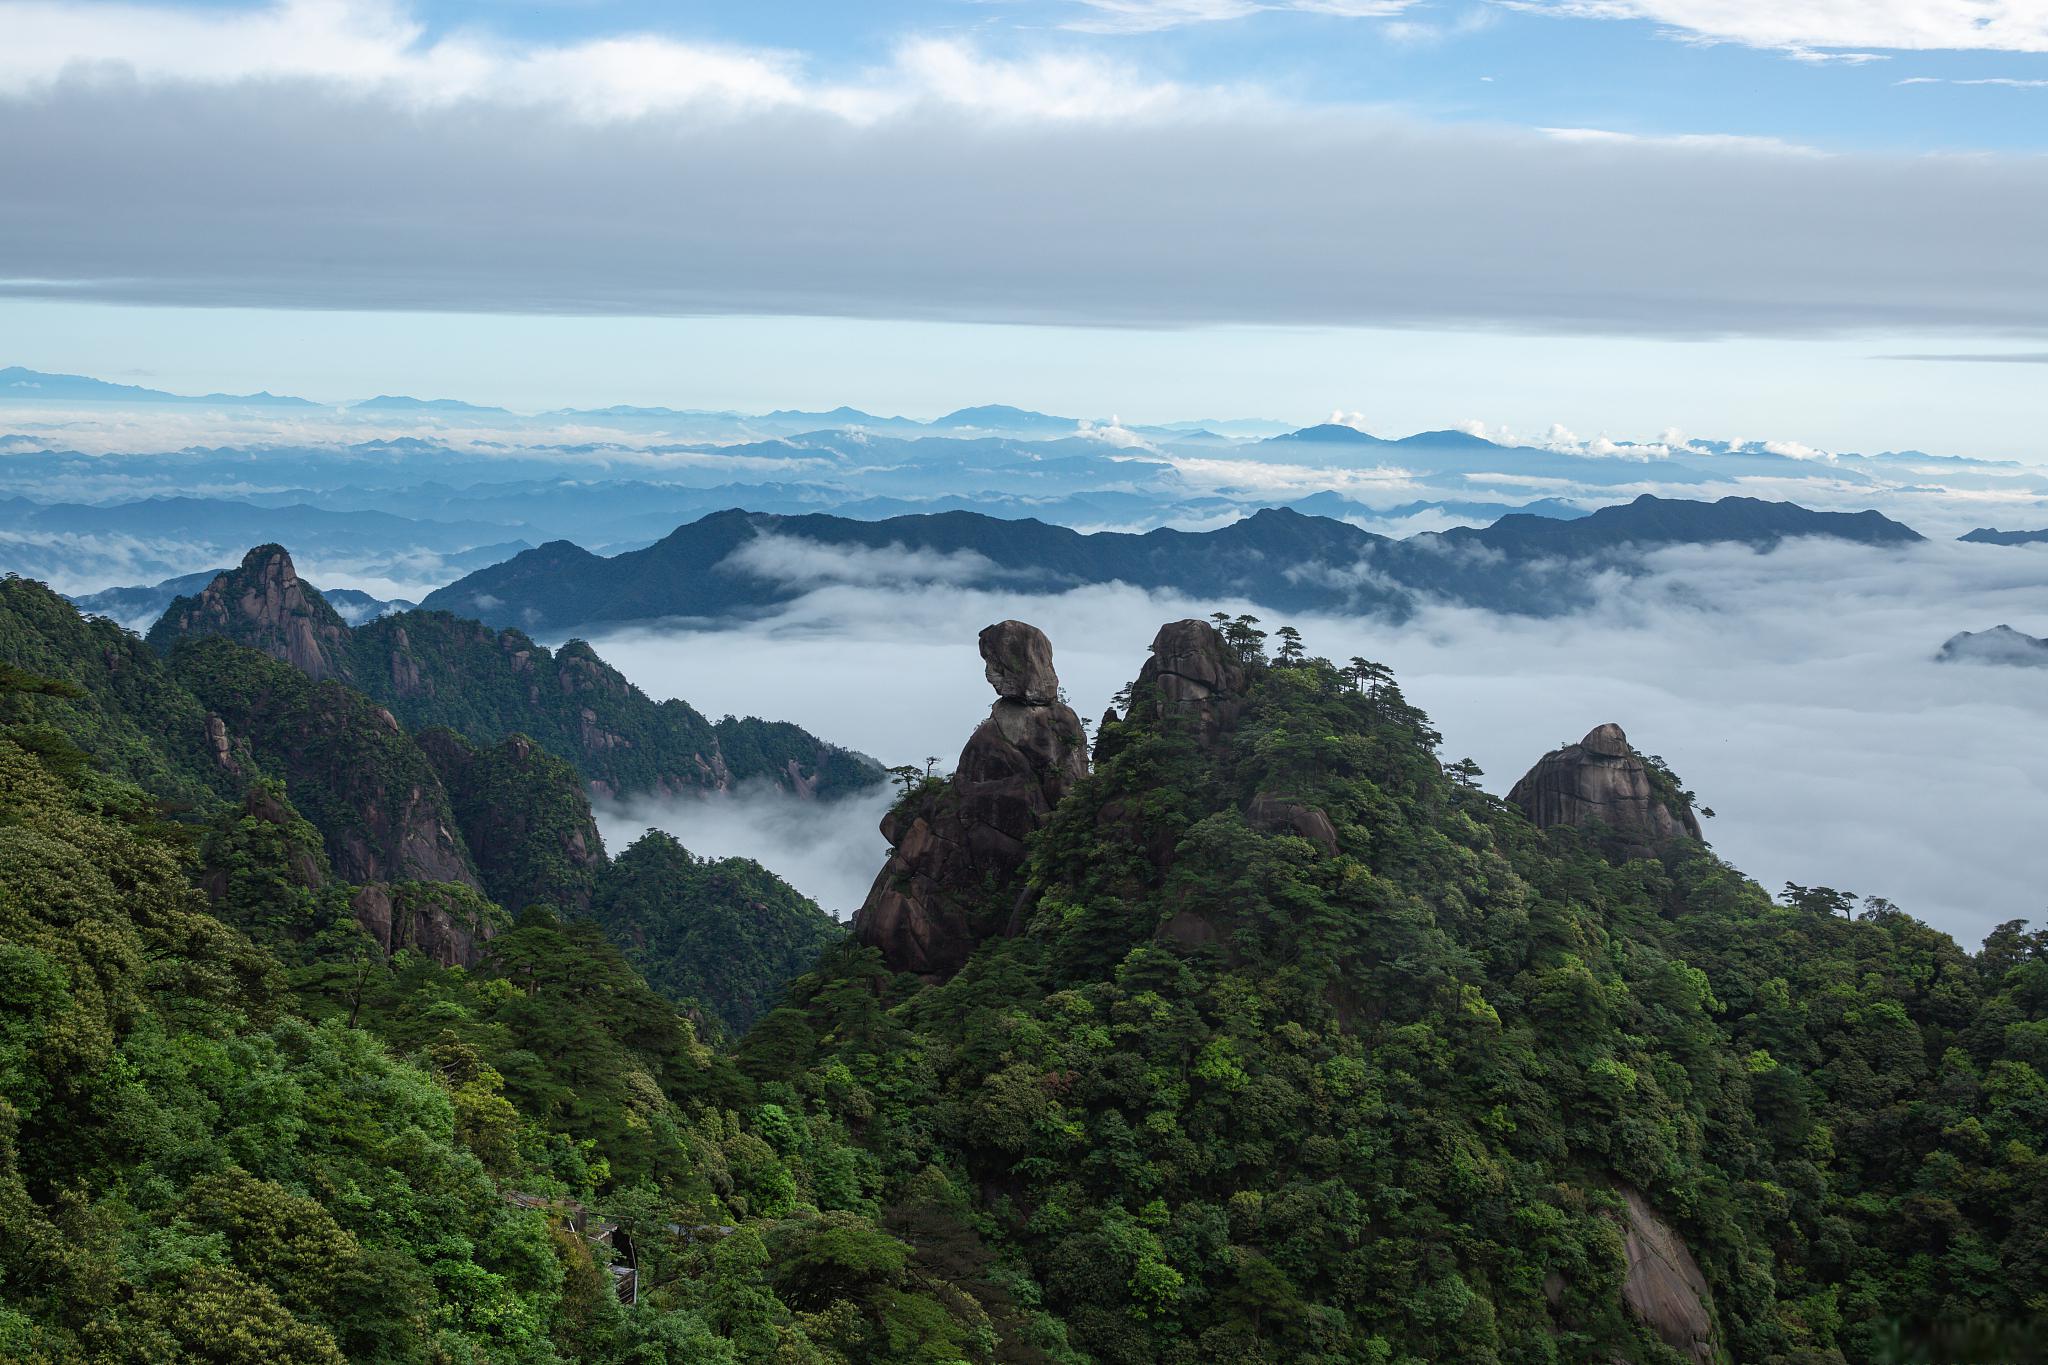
(2009, 82)
(1154, 16)
(328, 154)
(1830, 29)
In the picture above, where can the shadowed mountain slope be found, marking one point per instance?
(735, 563)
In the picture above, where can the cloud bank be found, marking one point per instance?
(1796, 691)
(327, 155)
(830, 851)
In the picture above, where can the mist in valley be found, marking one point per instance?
(1795, 691)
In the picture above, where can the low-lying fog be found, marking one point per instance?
(1794, 691)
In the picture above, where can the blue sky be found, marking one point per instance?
(1443, 60)
(1715, 210)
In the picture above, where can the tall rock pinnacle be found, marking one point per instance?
(1602, 781)
(266, 605)
(956, 849)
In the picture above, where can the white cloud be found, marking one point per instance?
(1797, 450)
(2010, 82)
(1154, 16)
(378, 48)
(639, 175)
(1830, 29)
(1113, 433)
(808, 564)
(1722, 142)
(828, 850)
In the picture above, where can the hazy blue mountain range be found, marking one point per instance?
(445, 486)
(398, 402)
(18, 385)
(86, 548)
(737, 562)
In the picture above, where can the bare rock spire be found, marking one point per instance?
(955, 851)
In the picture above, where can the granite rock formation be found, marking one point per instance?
(956, 846)
(1602, 782)
(1018, 662)
(1284, 815)
(1664, 1287)
(265, 605)
(525, 818)
(434, 920)
(1193, 670)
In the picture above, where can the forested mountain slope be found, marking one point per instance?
(429, 668)
(441, 842)
(1288, 1043)
(1263, 1036)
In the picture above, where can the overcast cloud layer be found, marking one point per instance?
(327, 156)
(1794, 691)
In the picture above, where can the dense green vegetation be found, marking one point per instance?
(725, 932)
(524, 816)
(356, 774)
(130, 717)
(280, 1146)
(1228, 1097)
(1229, 1100)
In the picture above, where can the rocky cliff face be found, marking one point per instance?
(443, 922)
(956, 849)
(430, 668)
(1664, 1286)
(265, 605)
(1601, 781)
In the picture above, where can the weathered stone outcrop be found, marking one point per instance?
(1282, 815)
(265, 605)
(440, 922)
(1193, 670)
(1017, 660)
(1664, 1287)
(1601, 781)
(955, 849)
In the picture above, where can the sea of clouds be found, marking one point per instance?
(1796, 691)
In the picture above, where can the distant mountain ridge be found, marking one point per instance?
(25, 385)
(1985, 535)
(736, 562)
